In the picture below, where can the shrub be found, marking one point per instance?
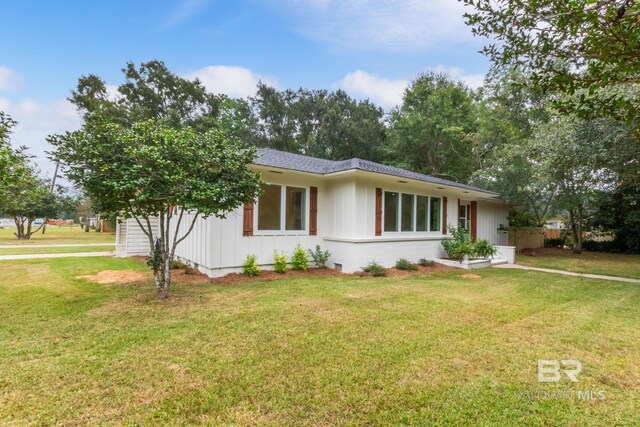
(177, 265)
(280, 265)
(375, 269)
(613, 246)
(426, 262)
(553, 243)
(320, 257)
(300, 259)
(484, 249)
(250, 266)
(403, 264)
(460, 245)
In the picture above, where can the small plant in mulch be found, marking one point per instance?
(250, 266)
(280, 262)
(300, 259)
(406, 265)
(177, 265)
(426, 262)
(320, 257)
(375, 269)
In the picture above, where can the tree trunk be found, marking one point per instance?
(577, 244)
(162, 278)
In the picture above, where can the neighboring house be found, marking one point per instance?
(556, 222)
(359, 210)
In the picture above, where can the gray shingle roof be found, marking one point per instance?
(299, 162)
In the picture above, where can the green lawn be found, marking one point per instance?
(437, 349)
(587, 262)
(55, 250)
(57, 235)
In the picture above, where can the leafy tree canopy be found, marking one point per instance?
(432, 132)
(149, 170)
(586, 49)
(330, 125)
(150, 92)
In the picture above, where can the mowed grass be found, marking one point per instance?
(55, 250)
(587, 262)
(57, 235)
(425, 350)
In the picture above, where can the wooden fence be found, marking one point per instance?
(526, 237)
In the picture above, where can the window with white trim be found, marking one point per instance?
(406, 212)
(282, 208)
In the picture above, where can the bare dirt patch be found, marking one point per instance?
(118, 277)
(471, 276)
(421, 271)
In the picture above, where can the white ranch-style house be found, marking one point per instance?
(359, 210)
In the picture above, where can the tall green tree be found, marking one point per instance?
(586, 50)
(433, 130)
(149, 170)
(24, 196)
(150, 92)
(330, 125)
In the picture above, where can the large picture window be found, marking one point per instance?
(406, 212)
(391, 205)
(282, 208)
(269, 207)
(295, 211)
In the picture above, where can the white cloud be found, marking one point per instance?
(385, 92)
(36, 121)
(10, 80)
(233, 81)
(185, 10)
(389, 25)
(388, 93)
(474, 81)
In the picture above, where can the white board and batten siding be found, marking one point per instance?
(131, 240)
(345, 226)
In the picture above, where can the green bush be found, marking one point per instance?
(375, 269)
(280, 259)
(484, 249)
(320, 257)
(403, 264)
(250, 266)
(300, 259)
(553, 243)
(426, 262)
(459, 245)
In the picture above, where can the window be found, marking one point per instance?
(422, 213)
(410, 213)
(407, 212)
(434, 224)
(269, 204)
(282, 208)
(391, 211)
(463, 213)
(296, 208)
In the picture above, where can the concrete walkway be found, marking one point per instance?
(57, 245)
(569, 273)
(73, 255)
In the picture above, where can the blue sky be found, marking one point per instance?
(370, 48)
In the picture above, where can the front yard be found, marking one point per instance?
(445, 348)
(587, 262)
(57, 235)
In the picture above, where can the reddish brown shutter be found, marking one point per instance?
(474, 221)
(444, 215)
(313, 212)
(378, 211)
(247, 223)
